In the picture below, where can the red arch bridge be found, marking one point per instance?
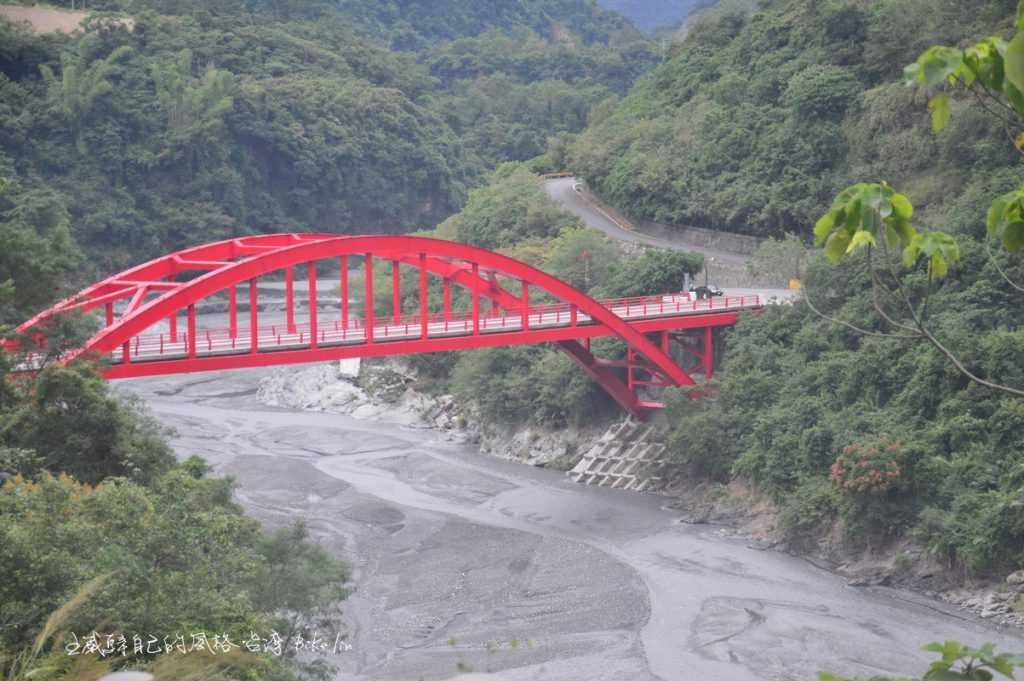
(152, 326)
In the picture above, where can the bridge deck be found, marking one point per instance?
(332, 333)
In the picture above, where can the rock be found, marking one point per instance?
(871, 579)
(1016, 578)
(348, 369)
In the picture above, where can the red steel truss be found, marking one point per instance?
(144, 307)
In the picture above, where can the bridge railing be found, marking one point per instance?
(438, 323)
(278, 334)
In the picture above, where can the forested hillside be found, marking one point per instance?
(418, 25)
(870, 417)
(757, 121)
(165, 124)
(196, 121)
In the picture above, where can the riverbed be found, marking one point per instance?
(469, 567)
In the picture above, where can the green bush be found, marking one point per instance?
(822, 91)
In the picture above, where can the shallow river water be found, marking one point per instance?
(470, 567)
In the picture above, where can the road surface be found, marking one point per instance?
(563, 191)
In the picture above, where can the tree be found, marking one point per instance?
(71, 419)
(512, 208)
(778, 259)
(655, 271)
(874, 217)
(583, 257)
(81, 85)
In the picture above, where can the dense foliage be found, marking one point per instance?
(197, 121)
(758, 120)
(539, 384)
(89, 488)
(806, 405)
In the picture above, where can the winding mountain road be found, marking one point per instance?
(563, 190)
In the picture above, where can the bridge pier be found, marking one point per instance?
(396, 290)
(233, 312)
(312, 305)
(254, 329)
(368, 267)
(344, 292)
(289, 298)
(447, 295)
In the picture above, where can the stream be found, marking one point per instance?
(469, 567)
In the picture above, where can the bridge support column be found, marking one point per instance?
(254, 328)
(424, 314)
(191, 331)
(233, 312)
(447, 295)
(369, 297)
(476, 300)
(709, 353)
(344, 292)
(396, 290)
(525, 301)
(604, 376)
(630, 361)
(172, 321)
(289, 295)
(312, 306)
(110, 314)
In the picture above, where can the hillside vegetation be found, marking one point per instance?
(855, 423)
(195, 121)
(757, 120)
(203, 120)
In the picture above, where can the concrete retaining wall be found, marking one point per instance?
(707, 238)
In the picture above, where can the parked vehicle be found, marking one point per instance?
(706, 291)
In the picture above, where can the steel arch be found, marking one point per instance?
(237, 261)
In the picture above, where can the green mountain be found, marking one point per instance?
(865, 430)
(757, 120)
(417, 25)
(201, 120)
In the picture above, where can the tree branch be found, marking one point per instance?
(930, 337)
(853, 327)
(1002, 273)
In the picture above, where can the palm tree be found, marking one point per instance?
(80, 86)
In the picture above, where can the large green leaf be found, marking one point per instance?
(824, 227)
(835, 249)
(1015, 61)
(1013, 236)
(860, 239)
(941, 111)
(996, 215)
(903, 206)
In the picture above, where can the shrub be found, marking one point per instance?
(867, 468)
